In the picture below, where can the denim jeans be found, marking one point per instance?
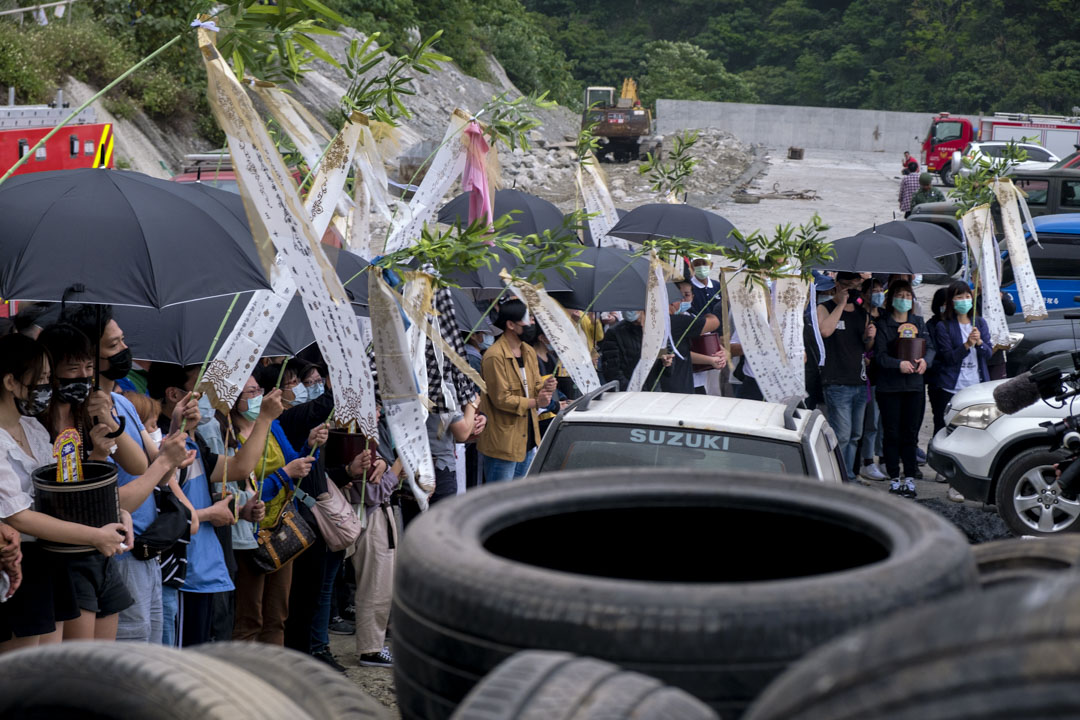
(496, 470)
(170, 603)
(320, 623)
(845, 411)
(871, 436)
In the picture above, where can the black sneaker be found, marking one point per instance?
(339, 626)
(327, 657)
(896, 487)
(379, 659)
(909, 488)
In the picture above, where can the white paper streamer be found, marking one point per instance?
(814, 324)
(569, 344)
(749, 311)
(446, 167)
(279, 217)
(656, 325)
(789, 296)
(979, 231)
(329, 180)
(369, 166)
(598, 200)
(1027, 285)
(239, 353)
(405, 415)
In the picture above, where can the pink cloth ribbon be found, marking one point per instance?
(474, 178)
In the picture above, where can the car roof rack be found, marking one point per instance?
(792, 404)
(583, 401)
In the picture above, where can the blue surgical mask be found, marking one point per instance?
(916, 281)
(300, 394)
(315, 390)
(254, 404)
(486, 340)
(206, 410)
(962, 307)
(901, 304)
(630, 315)
(877, 299)
(684, 306)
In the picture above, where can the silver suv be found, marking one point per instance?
(664, 430)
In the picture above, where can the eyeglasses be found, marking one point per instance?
(313, 381)
(290, 384)
(251, 392)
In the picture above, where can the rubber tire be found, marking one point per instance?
(1004, 562)
(460, 610)
(542, 685)
(948, 178)
(133, 680)
(1006, 653)
(322, 691)
(1006, 486)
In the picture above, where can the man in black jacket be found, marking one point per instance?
(620, 350)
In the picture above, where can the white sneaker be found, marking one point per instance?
(955, 496)
(872, 472)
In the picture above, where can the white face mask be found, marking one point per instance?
(300, 394)
(155, 435)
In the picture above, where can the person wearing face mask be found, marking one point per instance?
(676, 374)
(46, 599)
(963, 344)
(939, 399)
(901, 384)
(870, 446)
(847, 334)
(312, 380)
(514, 393)
(706, 290)
(620, 349)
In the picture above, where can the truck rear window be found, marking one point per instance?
(581, 446)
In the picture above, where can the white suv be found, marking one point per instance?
(1038, 157)
(665, 430)
(1005, 460)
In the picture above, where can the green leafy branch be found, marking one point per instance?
(975, 187)
(549, 250)
(669, 179)
(511, 120)
(587, 142)
(380, 96)
(789, 247)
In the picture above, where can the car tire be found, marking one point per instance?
(948, 177)
(1027, 478)
(620, 565)
(320, 690)
(542, 685)
(1003, 562)
(118, 681)
(1005, 653)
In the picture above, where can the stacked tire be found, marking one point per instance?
(713, 584)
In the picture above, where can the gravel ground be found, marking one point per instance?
(376, 682)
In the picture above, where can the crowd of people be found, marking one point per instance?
(200, 489)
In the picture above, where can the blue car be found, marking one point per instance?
(1056, 263)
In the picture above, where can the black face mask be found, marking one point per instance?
(74, 391)
(37, 402)
(119, 365)
(529, 333)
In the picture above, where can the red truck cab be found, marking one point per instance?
(947, 134)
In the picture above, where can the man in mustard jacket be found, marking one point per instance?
(514, 392)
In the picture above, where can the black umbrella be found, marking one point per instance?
(617, 280)
(586, 234)
(934, 239)
(877, 253)
(666, 220)
(535, 214)
(351, 270)
(182, 334)
(121, 238)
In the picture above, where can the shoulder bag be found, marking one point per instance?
(289, 536)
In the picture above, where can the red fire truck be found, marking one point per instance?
(948, 133)
(83, 143)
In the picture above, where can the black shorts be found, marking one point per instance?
(45, 597)
(99, 587)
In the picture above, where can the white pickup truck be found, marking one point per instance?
(633, 429)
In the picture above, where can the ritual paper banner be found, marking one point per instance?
(560, 331)
(749, 310)
(1027, 286)
(978, 225)
(369, 166)
(405, 415)
(656, 325)
(597, 199)
(445, 168)
(359, 236)
(789, 297)
(279, 219)
(240, 352)
(330, 178)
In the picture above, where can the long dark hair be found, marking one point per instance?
(957, 288)
(938, 303)
(66, 342)
(20, 356)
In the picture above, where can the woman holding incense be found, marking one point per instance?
(46, 599)
(262, 599)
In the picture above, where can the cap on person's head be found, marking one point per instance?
(700, 261)
(674, 293)
(824, 284)
(925, 178)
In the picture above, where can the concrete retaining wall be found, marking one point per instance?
(791, 125)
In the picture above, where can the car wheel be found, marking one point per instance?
(948, 178)
(1029, 498)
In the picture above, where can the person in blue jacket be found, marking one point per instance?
(963, 344)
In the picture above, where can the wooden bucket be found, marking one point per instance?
(341, 447)
(707, 344)
(95, 501)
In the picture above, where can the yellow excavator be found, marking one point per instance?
(624, 126)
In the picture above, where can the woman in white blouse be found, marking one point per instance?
(46, 598)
